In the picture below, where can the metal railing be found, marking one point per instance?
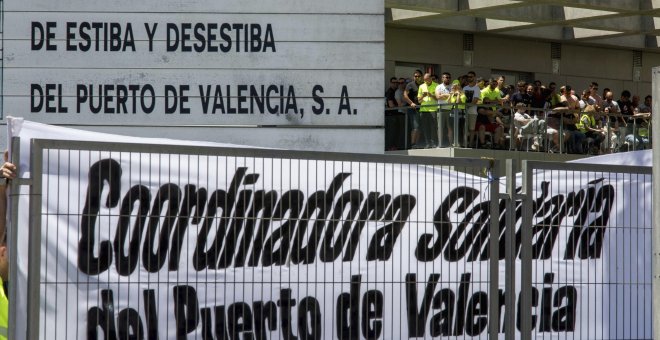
(397, 133)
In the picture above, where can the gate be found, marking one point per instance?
(592, 245)
(169, 241)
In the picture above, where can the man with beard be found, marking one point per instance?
(521, 96)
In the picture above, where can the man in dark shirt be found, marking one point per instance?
(393, 126)
(625, 105)
(521, 95)
(626, 109)
(389, 93)
(537, 99)
(410, 97)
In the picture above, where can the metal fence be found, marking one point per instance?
(595, 222)
(132, 241)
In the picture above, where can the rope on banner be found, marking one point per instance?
(488, 172)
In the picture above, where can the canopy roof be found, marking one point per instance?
(627, 24)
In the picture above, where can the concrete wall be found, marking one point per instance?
(579, 65)
(294, 71)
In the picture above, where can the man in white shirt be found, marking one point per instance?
(442, 94)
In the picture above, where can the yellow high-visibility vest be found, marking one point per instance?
(4, 313)
(589, 120)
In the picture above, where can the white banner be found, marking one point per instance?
(146, 245)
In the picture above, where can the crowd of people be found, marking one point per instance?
(487, 113)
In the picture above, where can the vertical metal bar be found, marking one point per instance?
(561, 133)
(466, 127)
(510, 254)
(454, 113)
(406, 146)
(440, 124)
(12, 241)
(655, 125)
(609, 134)
(494, 247)
(526, 254)
(512, 128)
(634, 130)
(34, 251)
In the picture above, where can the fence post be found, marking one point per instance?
(34, 258)
(510, 252)
(11, 230)
(526, 253)
(655, 130)
(494, 248)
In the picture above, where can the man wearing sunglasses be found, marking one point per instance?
(410, 97)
